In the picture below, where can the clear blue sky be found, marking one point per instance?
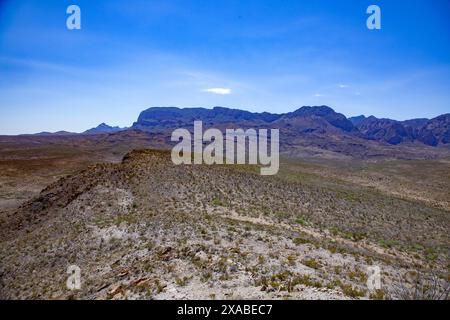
(271, 56)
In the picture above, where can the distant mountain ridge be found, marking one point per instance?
(170, 117)
(432, 132)
(103, 128)
(436, 131)
(315, 126)
(57, 133)
(317, 120)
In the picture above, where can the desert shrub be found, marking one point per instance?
(182, 282)
(311, 263)
(425, 286)
(352, 292)
(378, 294)
(299, 241)
(218, 203)
(302, 220)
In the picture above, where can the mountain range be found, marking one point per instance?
(317, 120)
(316, 131)
(430, 132)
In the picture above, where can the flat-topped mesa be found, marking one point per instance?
(172, 117)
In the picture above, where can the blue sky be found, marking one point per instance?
(256, 55)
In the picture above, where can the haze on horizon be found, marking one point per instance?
(256, 55)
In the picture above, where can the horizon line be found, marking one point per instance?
(212, 108)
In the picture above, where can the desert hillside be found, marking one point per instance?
(144, 228)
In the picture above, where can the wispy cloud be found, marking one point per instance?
(318, 95)
(222, 91)
(343, 86)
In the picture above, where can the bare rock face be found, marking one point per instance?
(436, 131)
(432, 132)
(387, 130)
(328, 114)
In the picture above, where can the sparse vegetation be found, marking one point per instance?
(311, 263)
(146, 229)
